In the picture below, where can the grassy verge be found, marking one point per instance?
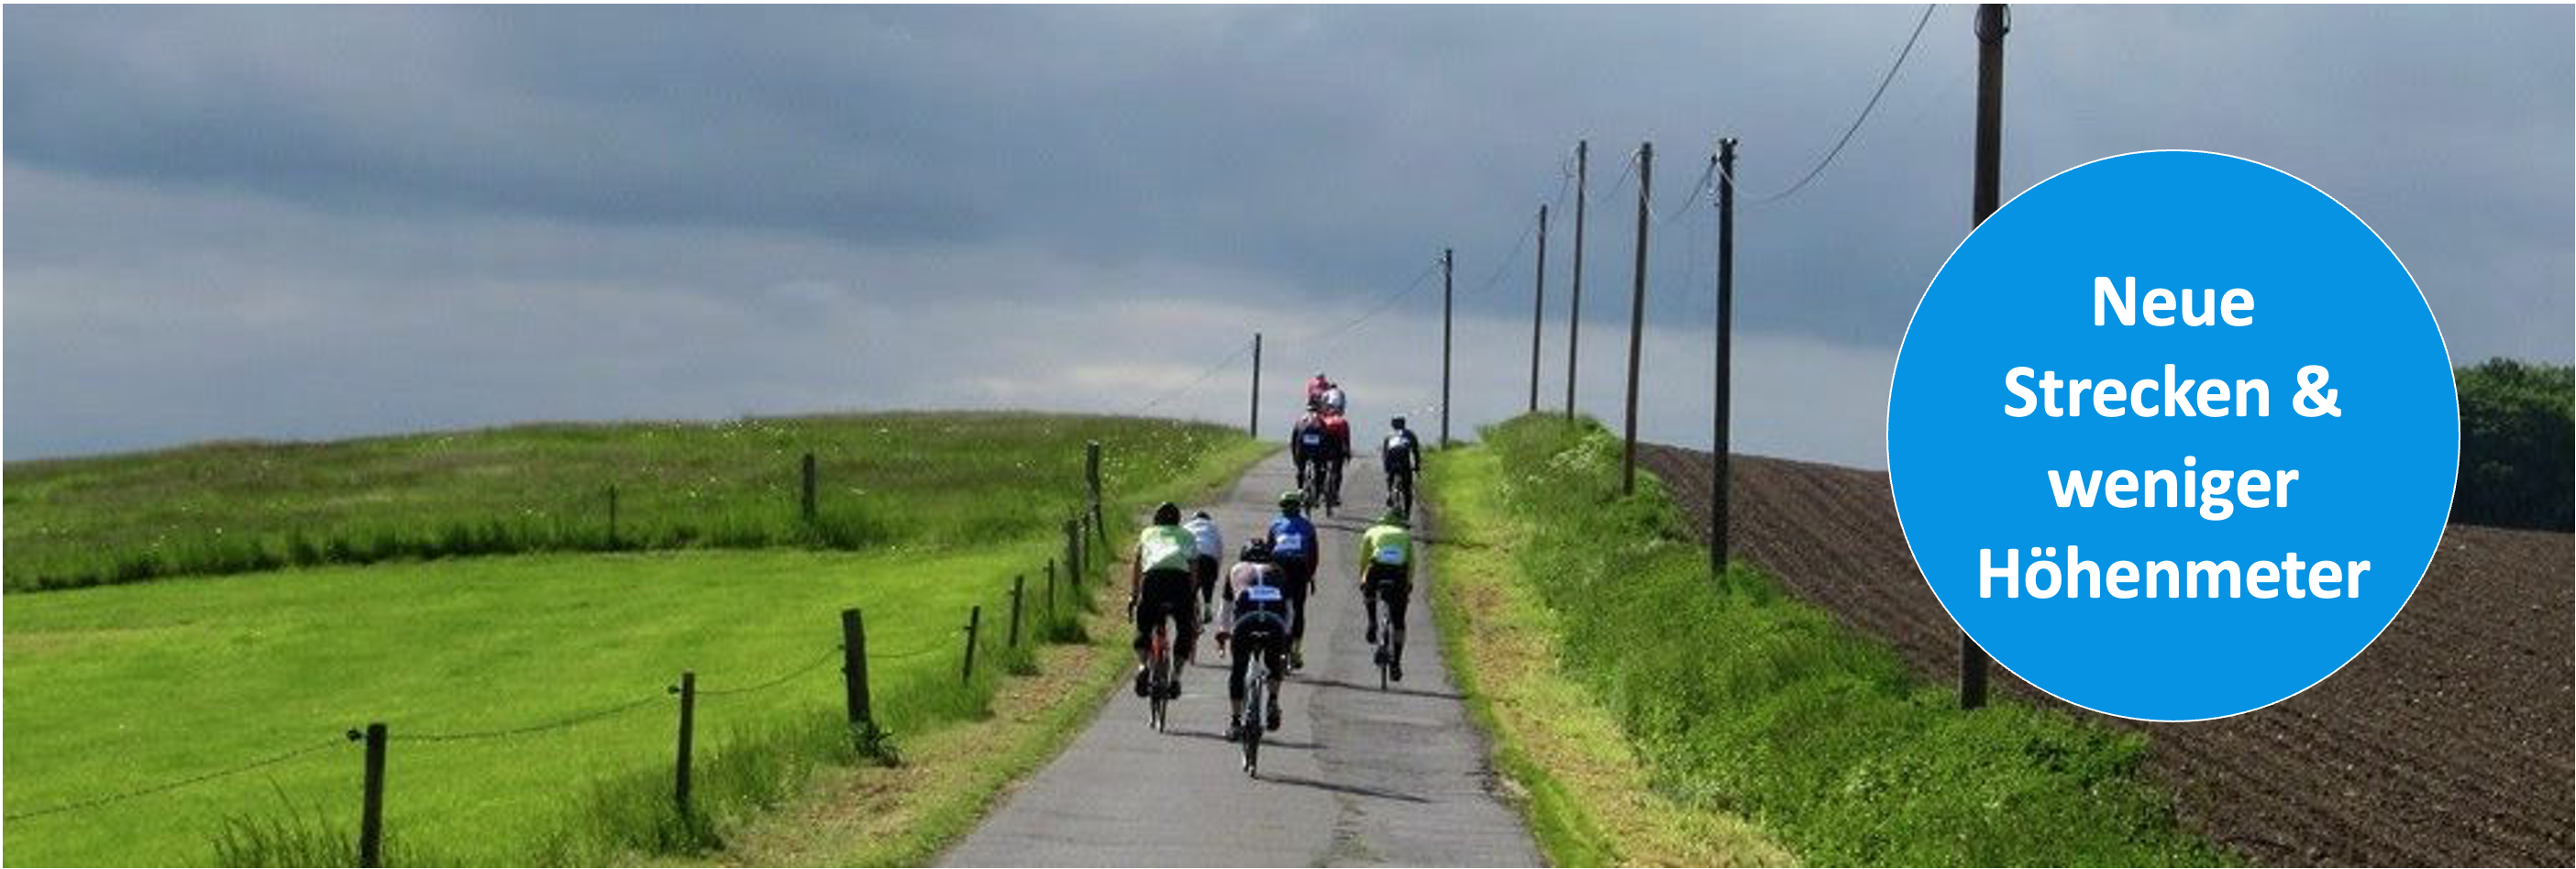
(871, 815)
(902, 479)
(1736, 698)
(1589, 797)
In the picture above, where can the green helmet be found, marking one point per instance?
(1392, 517)
(1291, 499)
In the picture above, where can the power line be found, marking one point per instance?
(1508, 260)
(1860, 119)
(1626, 172)
(1239, 352)
(1706, 175)
(1340, 331)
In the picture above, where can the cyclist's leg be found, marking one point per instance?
(1368, 600)
(1147, 614)
(1274, 654)
(1177, 606)
(1206, 576)
(1399, 594)
(1301, 579)
(1243, 651)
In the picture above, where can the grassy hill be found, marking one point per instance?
(904, 479)
(527, 695)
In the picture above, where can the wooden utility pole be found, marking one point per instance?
(1538, 306)
(1254, 428)
(1721, 447)
(1637, 315)
(1448, 264)
(1992, 23)
(1574, 316)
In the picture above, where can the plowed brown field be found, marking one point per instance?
(2446, 743)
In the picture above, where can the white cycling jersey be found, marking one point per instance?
(1210, 542)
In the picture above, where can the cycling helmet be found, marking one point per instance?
(1398, 422)
(1257, 551)
(1291, 499)
(1167, 514)
(1392, 517)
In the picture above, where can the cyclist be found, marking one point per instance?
(1203, 569)
(1334, 399)
(1158, 588)
(1386, 574)
(1337, 452)
(1401, 454)
(1315, 389)
(1258, 618)
(1308, 443)
(1295, 549)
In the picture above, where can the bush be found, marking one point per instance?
(2517, 433)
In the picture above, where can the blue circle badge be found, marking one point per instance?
(2173, 435)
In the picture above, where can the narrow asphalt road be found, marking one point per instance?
(1355, 776)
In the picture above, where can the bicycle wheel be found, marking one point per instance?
(1158, 680)
(1256, 711)
(1385, 644)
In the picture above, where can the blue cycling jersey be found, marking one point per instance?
(1292, 537)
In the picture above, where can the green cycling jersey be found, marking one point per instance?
(1386, 544)
(1165, 547)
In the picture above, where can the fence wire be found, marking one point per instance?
(505, 733)
(165, 787)
(827, 657)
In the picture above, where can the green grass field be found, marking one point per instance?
(122, 687)
(935, 479)
(1743, 700)
(115, 688)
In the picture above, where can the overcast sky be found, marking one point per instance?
(313, 222)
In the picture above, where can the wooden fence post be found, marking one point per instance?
(854, 670)
(807, 504)
(1019, 584)
(688, 692)
(974, 623)
(1051, 610)
(371, 812)
(1091, 472)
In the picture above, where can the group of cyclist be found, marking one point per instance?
(1264, 607)
(1320, 445)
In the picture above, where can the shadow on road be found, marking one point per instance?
(1268, 741)
(1409, 692)
(1354, 790)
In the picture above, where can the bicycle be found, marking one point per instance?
(1385, 637)
(1402, 485)
(1328, 489)
(1158, 676)
(1256, 711)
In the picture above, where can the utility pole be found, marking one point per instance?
(1574, 318)
(1448, 264)
(1720, 471)
(1992, 24)
(1538, 306)
(1637, 315)
(1255, 428)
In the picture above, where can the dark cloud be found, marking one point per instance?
(336, 219)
